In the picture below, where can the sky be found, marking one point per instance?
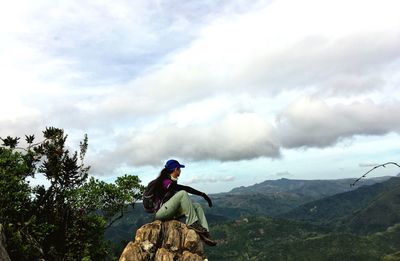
(238, 91)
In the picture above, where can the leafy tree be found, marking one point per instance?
(107, 200)
(15, 199)
(67, 219)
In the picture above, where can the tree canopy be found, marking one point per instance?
(66, 219)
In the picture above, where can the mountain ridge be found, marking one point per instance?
(276, 197)
(296, 185)
(232, 212)
(366, 209)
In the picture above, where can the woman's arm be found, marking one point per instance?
(190, 190)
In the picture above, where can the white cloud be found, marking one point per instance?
(313, 123)
(198, 179)
(285, 41)
(286, 45)
(283, 174)
(200, 80)
(236, 137)
(368, 165)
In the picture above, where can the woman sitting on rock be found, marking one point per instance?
(173, 201)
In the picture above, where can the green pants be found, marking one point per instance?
(181, 204)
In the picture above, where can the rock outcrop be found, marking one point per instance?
(164, 241)
(3, 252)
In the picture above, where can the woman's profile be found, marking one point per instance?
(173, 201)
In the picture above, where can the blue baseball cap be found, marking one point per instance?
(172, 164)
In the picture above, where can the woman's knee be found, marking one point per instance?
(182, 193)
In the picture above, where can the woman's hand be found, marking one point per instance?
(207, 199)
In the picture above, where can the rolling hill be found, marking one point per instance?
(366, 209)
(275, 197)
(310, 188)
(359, 224)
(263, 238)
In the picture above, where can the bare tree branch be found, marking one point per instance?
(37, 143)
(377, 166)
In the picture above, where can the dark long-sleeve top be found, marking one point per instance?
(170, 187)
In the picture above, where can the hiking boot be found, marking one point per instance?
(207, 239)
(198, 228)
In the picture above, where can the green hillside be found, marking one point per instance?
(355, 225)
(264, 239)
(315, 189)
(276, 197)
(124, 229)
(366, 209)
(232, 206)
(381, 212)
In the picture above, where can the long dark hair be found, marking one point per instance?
(164, 174)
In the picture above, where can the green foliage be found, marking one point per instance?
(276, 197)
(86, 239)
(232, 206)
(67, 219)
(106, 199)
(332, 234)
(392, 257)
(123, 229)
(380, 213)
(10, 142)
(344, 228)
(277, 239)
(12, 186)
(15, 200)
(365, 210)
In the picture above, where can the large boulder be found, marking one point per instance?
(3, 252)
(164, 241)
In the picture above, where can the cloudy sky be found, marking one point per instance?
(240, 91)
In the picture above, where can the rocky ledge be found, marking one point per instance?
(164, 241)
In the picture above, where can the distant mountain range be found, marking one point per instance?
(296, 220)
(366, 209)
(275, 197)
(362, 224)
(309, 188)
